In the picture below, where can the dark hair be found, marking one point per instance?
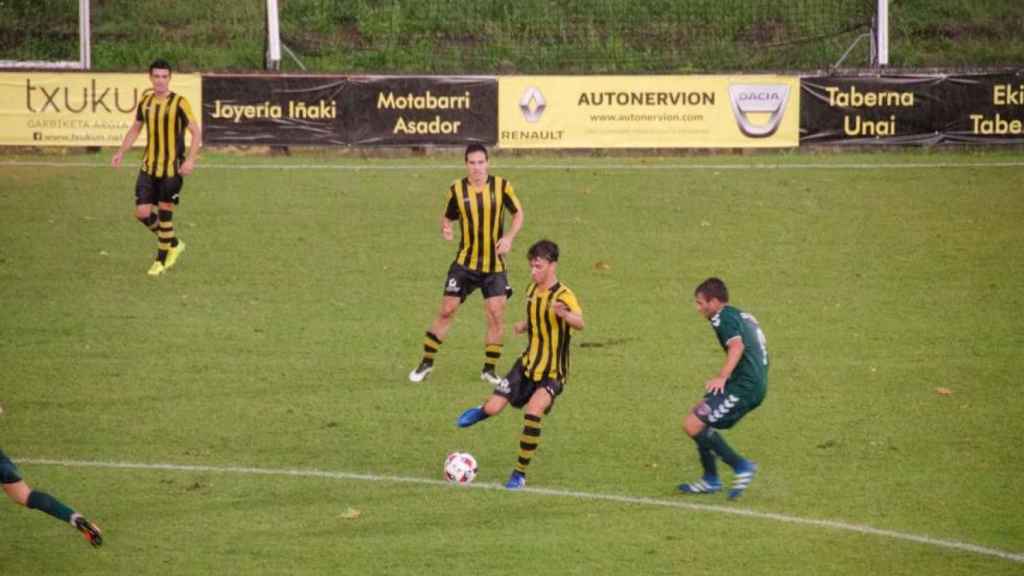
(545, 249)
(161, 64)
(475, 148)
(713, 288)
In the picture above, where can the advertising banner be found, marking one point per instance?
(273, 110)
(648, 111)
(932, 109)
(341, 110)
(411, 110)
(78, 109)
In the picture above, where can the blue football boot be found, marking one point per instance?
(516, 481)
(472, 416)
(745, 473)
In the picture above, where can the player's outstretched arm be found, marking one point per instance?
(193, 151)
(573, 319)
(504, 244)
(733, 353)
(126, 144)
(446, 228)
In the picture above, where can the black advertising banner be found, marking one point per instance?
(414, 110)
(273, 110)
(990, 108)
(927, 109)
(891, 110)
(289, 110)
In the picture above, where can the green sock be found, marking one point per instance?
(721, 447)
(707, 456)
(45, 503)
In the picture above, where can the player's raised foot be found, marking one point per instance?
(90, 531)
(421, 372)
(157, 268)
(745, 473)
(472, 416)
(490, 377)
(706, 485)
(173, 253)
(517, 481)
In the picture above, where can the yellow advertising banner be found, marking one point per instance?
(78, 108)
(760, 111)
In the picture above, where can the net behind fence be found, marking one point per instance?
(42, 30)
(584, 36)
(451, 36)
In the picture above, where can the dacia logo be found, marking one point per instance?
(532, 104)
(758, 98)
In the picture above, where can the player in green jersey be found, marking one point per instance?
(739, 388)
(21, 493)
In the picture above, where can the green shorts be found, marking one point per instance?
(723, 411)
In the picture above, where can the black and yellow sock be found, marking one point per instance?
(492, 353)
(528, 441)
(151, 222)
(431, 344)
(45, 503)
(165, 234)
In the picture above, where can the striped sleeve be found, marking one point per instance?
(568, 298)
(186, 108)
(451, 210)
(509, 198)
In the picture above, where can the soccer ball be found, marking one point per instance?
(460, 468)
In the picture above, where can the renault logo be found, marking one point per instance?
(532, 104)
(758, 98)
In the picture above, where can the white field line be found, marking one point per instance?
(561, 167)
(622, 499)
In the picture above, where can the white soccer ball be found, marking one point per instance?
(460, 468)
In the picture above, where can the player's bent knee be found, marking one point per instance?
(494, 405)
(692, 425)
(18, 492)
(449, 305)
(539, 402)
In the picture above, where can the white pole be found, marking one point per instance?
(84, 36)
(882, 32)
(273, 37)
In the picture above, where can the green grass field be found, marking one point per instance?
(282, 340)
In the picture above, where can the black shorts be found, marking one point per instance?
(518, 389)
(150, 190)
(462, 282)
(8, 471)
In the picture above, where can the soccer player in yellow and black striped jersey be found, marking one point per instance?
(166, 116)
(477, 203)
(539, 375)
